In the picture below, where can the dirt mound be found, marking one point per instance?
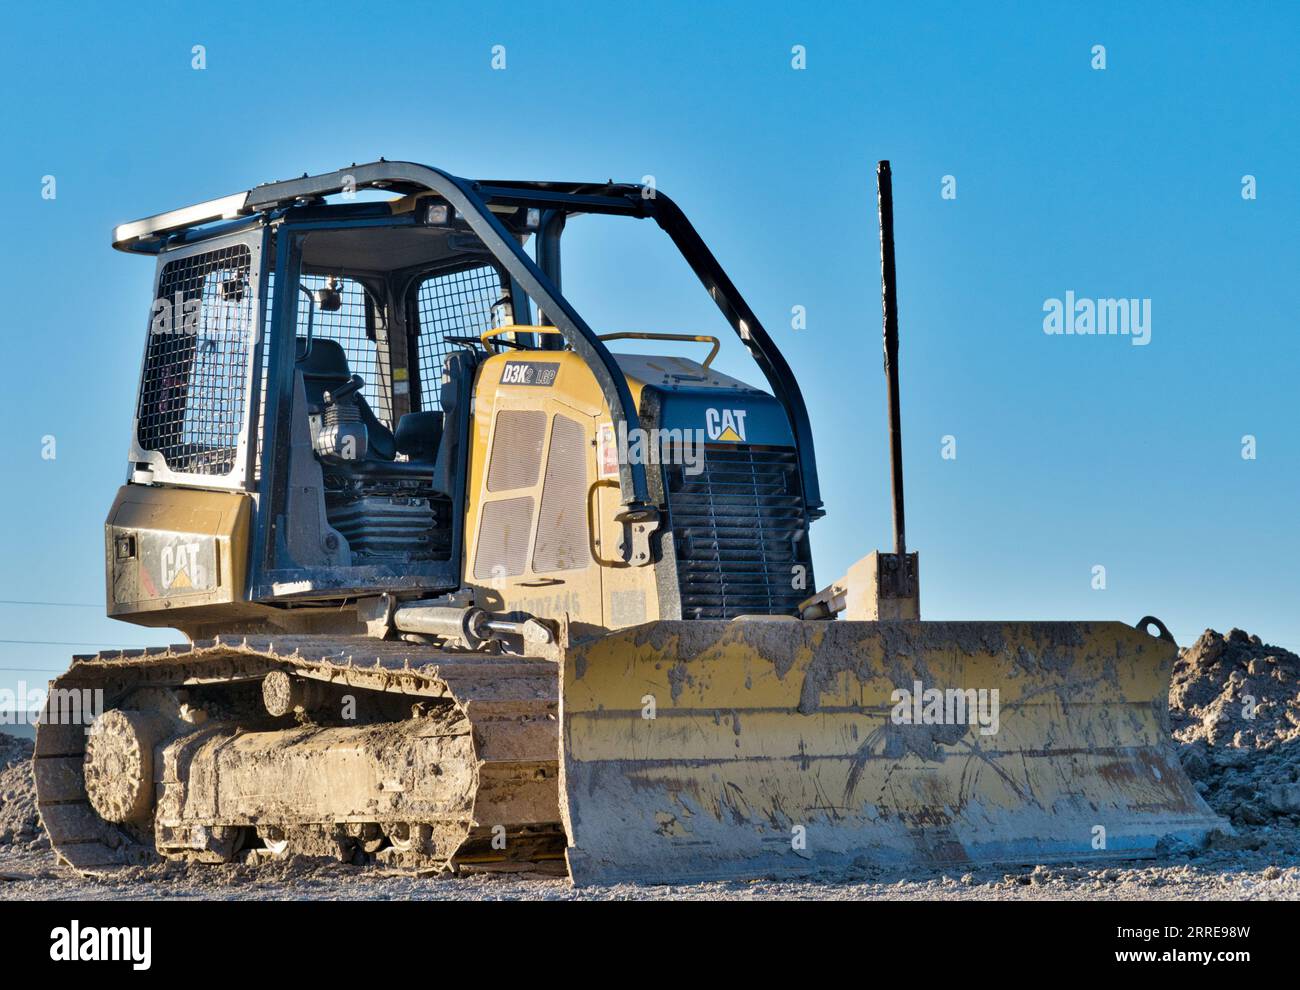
(1237, 691)
(1235, 706)
(13, 749)
(20, 828)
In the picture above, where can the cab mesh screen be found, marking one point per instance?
(192, 390)
(458, 304)
(351, 326)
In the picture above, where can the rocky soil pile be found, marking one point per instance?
(1235, 707)
(13, 749)
(20, 828)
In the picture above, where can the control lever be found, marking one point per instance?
(337, 395)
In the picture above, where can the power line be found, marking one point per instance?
(82, 642)
(12, 601)
(56, 642)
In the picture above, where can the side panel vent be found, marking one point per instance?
(503, 538)
(516, 449)
(562, 535)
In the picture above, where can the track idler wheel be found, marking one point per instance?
(119, 765)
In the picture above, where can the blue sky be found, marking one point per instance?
(1071, 451)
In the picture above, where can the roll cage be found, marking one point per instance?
(303, 201)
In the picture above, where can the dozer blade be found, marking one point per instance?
(714, 750)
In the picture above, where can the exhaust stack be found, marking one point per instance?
(881, 585)
(896, 572)
(889, 305)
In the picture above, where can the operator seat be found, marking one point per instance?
(419, 435)
(457, 385)
(325, 368)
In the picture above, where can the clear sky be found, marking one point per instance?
(1071, 451)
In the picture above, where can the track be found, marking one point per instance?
(404, 754)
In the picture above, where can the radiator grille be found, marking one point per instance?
(740, 533)
(191, 408)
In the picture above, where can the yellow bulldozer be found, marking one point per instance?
(465, 589)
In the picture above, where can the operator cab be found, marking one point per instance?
(362, 389)
(318, 357)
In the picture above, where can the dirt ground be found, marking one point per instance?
(1235, 711)
(1271, 872)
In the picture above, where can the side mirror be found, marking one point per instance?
(329, 299)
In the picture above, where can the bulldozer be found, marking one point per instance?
(464, 589)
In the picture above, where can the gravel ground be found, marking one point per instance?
(1270, 872)
(1235, 707)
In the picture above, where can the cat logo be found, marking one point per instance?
(181, 568)
(727, 425)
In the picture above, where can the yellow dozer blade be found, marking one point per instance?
(712, 750)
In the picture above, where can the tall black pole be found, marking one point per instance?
(889, 300)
